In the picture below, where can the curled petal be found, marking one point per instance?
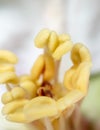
(57, 45)
(77, 77)
(8, 57)
(42, 38)
(8, 77)
(38, 67)
(81, 81)
(25, 77)
(7, 71)
(14, 111)
(53, 41)
(13, 106)
(18, 92)
(69, 99)
(40, 107)
(49, 69)
(15, 93)
(68, 78)
(6, 68)
(7, 97)
(80, 54)
(63, 38)
(30, 88)
(62, 49)
(17, 117)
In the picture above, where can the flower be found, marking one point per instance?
(39, 95)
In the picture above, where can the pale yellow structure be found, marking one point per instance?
(21, 103)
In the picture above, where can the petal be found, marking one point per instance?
(40, 107)
(42, 38)
(8, 57)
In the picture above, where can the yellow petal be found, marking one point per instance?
(13, 106)
(25, 77)
(53, 41)
(8, 77)
(30, 88)
(6, 68)
(82, 81)
(78, 77)
(69, 99)
(67, 82)
(7, 56)
(49, 68)
(80, 54)
(40, 107)
(63, 38)
(42, 38)
(6, 97)
(18, 92)
(62, 49)
(17, 117)
(37, 68)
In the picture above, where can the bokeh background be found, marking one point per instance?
(20, 20)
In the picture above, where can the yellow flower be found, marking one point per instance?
(38, 95)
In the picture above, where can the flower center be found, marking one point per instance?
(45, 90)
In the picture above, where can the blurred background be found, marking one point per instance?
(21, 20)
